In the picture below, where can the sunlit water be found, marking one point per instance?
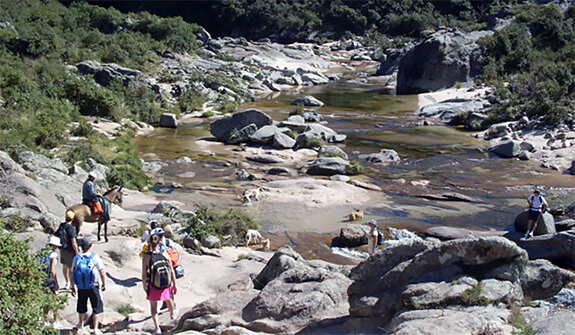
(445, 159)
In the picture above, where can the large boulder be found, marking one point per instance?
(545, 223)
(443, 59)
(446, 110)
(295, 292)
(506, 149)
(380, 281)
(542, 279)
(383, 156)
(104, 73)
(307, 100)
(222, 129)
(327, 166)
(557, 248)
(351, 236)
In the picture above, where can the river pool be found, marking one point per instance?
(435, 159)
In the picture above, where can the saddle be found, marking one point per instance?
(95, 206)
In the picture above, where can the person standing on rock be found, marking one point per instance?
(158, 279)
(537, 205)
(90, 278)
(372, 237)
(69, 247)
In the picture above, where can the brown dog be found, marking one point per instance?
(355, 215)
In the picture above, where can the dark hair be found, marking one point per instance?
(536, 192)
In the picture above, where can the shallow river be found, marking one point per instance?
(441, 158)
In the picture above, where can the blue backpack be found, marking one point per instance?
(83, 275)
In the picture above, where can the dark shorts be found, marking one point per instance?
(534, 215)
(95, 300)
(67, 257)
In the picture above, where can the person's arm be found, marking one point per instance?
(74, 243)
(145, 264)
(172, 273)
(102, 271)
(93, 190)
(73, 289)
(530, 201)
(543, 205)
(53, 261)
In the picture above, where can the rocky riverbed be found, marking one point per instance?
(456, 282)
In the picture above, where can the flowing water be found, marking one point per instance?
(441, 158)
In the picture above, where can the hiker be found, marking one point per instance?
(49, 262)
(158, 279)
(537, 205)
(146, 235)
(89, 277)
(372, 237)
(66, 232)
(90, 195)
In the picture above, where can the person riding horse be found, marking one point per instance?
(90, 194)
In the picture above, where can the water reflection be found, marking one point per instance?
(441, 158)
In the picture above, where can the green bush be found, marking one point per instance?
(17, 223)
(191, 100)
(84, 128)
(24, 299)
(230, 223)
(354, 168)
(126, 309)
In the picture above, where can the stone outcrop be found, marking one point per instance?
(292, 292)
(400, 287)
(545, 223)
(557, 248)
(445, 111)
(441, 60)
(222, 129)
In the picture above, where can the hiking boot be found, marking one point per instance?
(530, 234)
(158, 331)
(57, 325)
(97, 332)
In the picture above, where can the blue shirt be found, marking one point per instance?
(89, 190)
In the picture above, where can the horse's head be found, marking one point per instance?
(115, 195)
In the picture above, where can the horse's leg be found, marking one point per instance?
(99, 226)
(106, 230)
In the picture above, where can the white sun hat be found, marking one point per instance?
(55, 240)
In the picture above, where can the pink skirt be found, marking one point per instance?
(155, 294)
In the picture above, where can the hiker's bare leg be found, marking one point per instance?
(170, 306)
(154, 312)
(95, 322)
(66, 272)
(81, 318)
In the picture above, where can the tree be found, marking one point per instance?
(23, 296)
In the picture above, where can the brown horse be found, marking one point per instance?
(84, 213)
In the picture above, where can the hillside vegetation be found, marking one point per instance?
(40, 97)
(530, 61)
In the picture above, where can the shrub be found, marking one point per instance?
(23, 296)
(17, 223)
(84, 128)
(126, 309)
(473, 297)
(191, 100)
(354, 168)
(232, 223)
